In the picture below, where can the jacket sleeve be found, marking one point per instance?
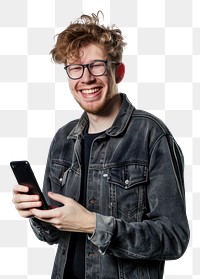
(163, 233)
(44, 231)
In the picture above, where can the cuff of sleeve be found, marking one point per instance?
(44, 231)
(103, 233)
(39, 224)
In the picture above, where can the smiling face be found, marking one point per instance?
(93, 93)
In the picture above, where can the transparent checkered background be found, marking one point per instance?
(162, 76)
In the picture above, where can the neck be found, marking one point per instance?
(104, 120)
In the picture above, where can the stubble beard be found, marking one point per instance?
(97, 108)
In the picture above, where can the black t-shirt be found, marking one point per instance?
(75, 267)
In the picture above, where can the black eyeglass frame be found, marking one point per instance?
(88, 67)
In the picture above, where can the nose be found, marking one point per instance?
(87, 76)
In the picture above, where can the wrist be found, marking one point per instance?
(91, 223)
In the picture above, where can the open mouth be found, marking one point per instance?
(90, 91)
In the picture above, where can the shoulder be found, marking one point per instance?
(150, 121)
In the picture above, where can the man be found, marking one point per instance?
(114, 177)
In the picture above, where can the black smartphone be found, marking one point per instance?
(25, 176)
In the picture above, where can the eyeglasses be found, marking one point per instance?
(96, 68)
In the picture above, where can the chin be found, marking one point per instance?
(97, 108)
(93, 108)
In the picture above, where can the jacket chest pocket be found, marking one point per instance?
(64, 179)
(127, 187)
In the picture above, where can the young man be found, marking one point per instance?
(115, 175)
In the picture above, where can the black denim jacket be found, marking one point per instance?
(135, 187)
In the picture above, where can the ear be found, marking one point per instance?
(120, 71)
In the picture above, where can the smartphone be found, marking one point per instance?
(25, 176)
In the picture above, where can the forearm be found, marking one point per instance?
(150, 239)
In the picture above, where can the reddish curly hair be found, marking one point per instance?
(84, 31)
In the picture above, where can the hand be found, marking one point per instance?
(24, 202)
(70, 217)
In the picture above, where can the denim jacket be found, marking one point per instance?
(135, 187)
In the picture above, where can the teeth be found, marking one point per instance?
(90, 91)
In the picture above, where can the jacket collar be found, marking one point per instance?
(118, 126)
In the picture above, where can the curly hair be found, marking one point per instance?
(84, 31)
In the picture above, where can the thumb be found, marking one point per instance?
(57, 197)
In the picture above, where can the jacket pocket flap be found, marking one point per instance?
(128, 176)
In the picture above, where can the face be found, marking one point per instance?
(93, 93)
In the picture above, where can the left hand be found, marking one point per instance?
(70, 217)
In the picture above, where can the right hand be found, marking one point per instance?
(24, 202)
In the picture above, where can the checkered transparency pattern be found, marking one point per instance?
(162, 76)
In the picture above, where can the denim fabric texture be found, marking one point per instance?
(135, 187)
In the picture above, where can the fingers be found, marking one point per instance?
(24, 208)
(23, 201)
(27, 205)
(19, 198)
(20, 189)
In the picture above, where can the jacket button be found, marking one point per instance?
(93, 201)
(126, 181)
